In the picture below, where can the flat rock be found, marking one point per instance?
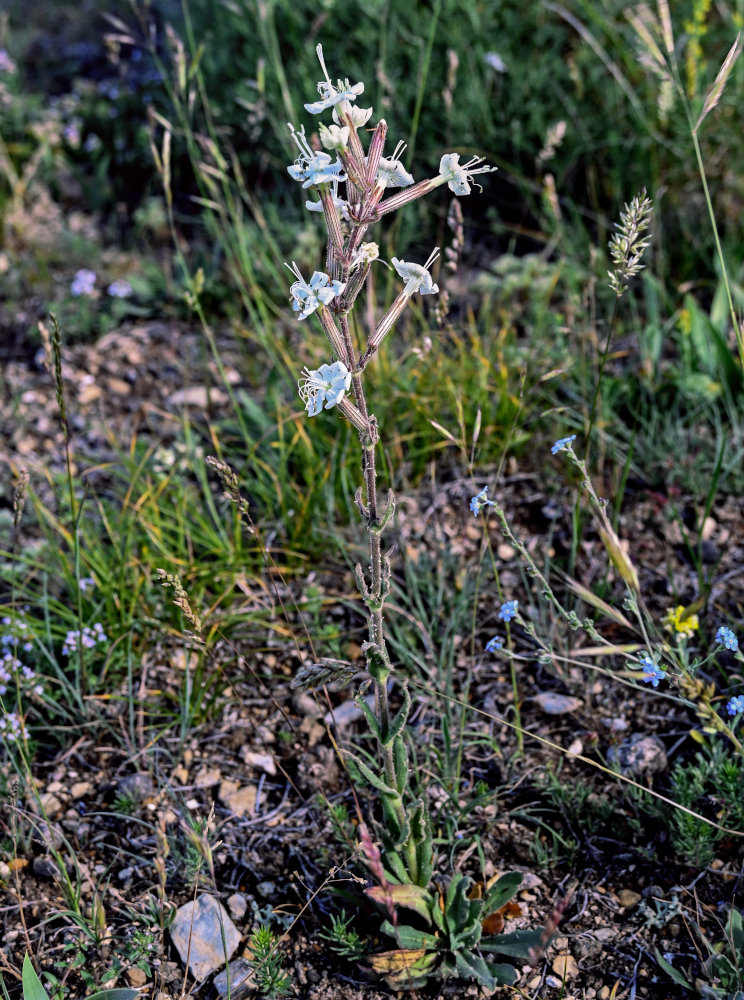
(240, 981)
(197, 935)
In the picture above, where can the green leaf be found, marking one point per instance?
(370, 716)
(472, 966)
(401, 717)
(467, 937)
(412, 897)
(400, 763)
(118, 993)
(735, 931)
(457, 904)
(396, 866)
(518, 944)
(421, 836)
(32, 988)
(671, 971)
(501, 892)
(395, 833)
(368, 774)
(409, 937)
(503, 975)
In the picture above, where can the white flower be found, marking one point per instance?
(342, 207)
(391, 172)
(329, 94)
(458, 175)
(359, 116)
(417, 276)
(366, 253)
(310, 167)
(334, 137)
(326, 384)
(308, 295)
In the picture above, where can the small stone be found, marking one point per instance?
(553, 703)
(261, 761)
(50, 805)
(505, 552)
(44, 868)
(239, 801)
(136, 977)
(136, 786)
(565, 966)
(240, 980)
(640, 755)
(206, 777)
(237, 904)
(628, 899)
(197, 931)
(80, 789)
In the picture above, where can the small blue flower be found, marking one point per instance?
(562, 444)
(508, 610)
(493, 644)
(726, 638)
(120, 289)
(653, 672)
(83, 283)
(736, 705)
(480, 500)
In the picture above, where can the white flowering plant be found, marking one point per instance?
(437, 932)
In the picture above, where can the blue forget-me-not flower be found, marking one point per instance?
(653, 671)
(727, 638)
(508, 610)
(736, 705)
(562, 444)
(480, 500)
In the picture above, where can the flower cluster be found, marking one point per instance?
(508, 610)
(653, 672)
(120, 289)
(726, 638)
(88, 638)
(13, 671)
(494, 644)
(368, 177)
(681, 622)
(11, 727)
(83, 283)
(15, 637)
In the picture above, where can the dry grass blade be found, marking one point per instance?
(596, 602)
(714, 94)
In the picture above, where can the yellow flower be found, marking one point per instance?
(681, 622)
